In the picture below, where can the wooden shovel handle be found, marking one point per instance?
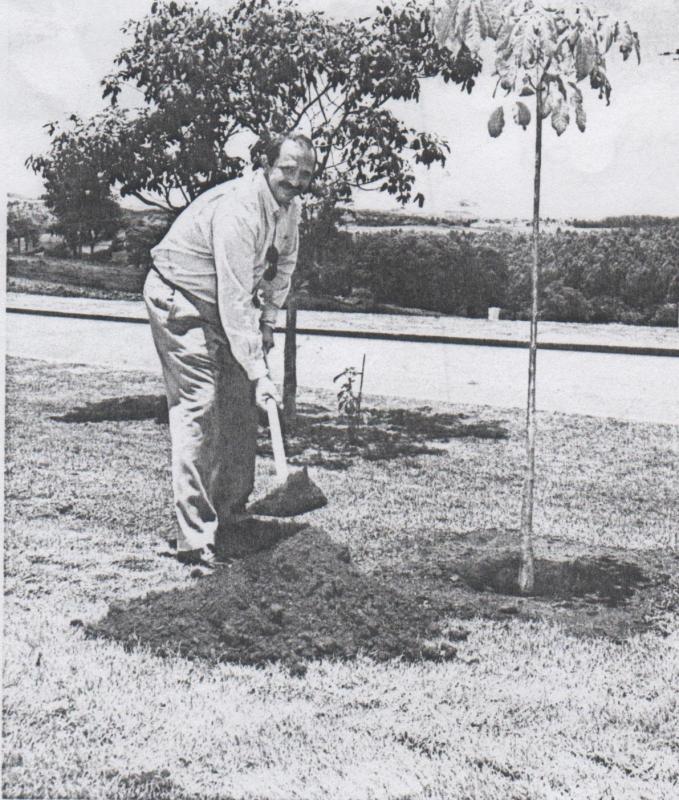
(277, 440)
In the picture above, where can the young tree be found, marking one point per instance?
(77, 189)
(542, 53)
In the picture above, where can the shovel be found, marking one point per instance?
(296, 492)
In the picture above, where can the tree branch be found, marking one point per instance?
(324, 163)
(166, 192)
(301, 114)
(149, 202)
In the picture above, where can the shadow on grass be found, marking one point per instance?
(120, 409)
(321, 438)
(154, 785)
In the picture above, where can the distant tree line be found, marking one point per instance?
(641, 221)
(626, 275)
(378, 218)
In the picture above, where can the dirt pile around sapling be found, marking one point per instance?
(590, 591)
(609, 581)
(300, 600)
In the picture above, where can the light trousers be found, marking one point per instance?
(213, 415)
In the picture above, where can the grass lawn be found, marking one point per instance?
(531, 707)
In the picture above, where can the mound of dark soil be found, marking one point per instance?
(300, 600)
(252, 535)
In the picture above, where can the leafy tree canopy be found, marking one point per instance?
(541, 49)
(77, 189)
(207, 79)
(26, 219)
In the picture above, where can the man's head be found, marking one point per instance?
(289, 162)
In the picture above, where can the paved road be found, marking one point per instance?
(642, 388)
(570, 335)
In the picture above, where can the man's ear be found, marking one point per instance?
(264, 162)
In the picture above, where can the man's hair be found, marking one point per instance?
(270, 145)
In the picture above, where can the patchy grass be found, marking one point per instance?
(56, 289)
(525, 711)
(37, 273)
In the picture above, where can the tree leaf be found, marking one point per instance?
(546, 107)
(560, 118)
(496, 123)
(522, 115)
(562, 87)
(580, 117)
(585, 57)
(609, 31)
(465, 23)
(629, 42)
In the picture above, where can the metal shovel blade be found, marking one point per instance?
(298, 494)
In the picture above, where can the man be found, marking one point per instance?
(220, 276)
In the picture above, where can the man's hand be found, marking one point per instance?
(265, 389)
(267, 337)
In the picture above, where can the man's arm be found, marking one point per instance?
(234, 237)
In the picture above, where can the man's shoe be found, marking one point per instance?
(200, 557)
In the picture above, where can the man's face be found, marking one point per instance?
(291, 175)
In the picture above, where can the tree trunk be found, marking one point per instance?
(290, 362)
(527, 572)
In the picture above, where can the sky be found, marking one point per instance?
(626, 163)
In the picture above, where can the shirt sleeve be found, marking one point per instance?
(274, 293)
(234, 243)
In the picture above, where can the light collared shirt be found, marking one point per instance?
(216, 250)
